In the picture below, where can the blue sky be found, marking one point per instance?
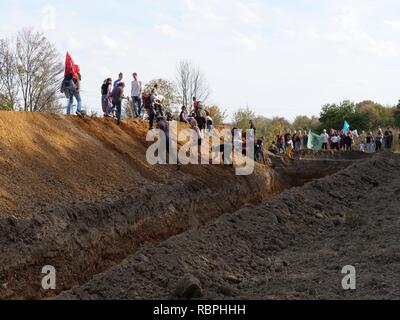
(281, 58)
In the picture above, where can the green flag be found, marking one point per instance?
(314, 141)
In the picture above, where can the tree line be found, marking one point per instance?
(30, 73)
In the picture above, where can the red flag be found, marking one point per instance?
(71, 67)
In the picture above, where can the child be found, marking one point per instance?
(362, 147)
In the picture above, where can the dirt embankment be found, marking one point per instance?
(79, 194)
(292, 246)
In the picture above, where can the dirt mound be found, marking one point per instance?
(292, 246)
(47, 159)
(331, 155)
(78, 194)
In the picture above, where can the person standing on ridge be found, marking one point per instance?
(325, 135)
(388, 138)
(369, 141)
(378, 141)
(136, 94)
(305, 140)
(119, 80)
(183, 116)
(105, 96)
(71, 85)
(253, 127)
(117, 97)
(195, 104)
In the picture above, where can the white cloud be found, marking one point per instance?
(74, 43)
(395, 24)
(250, 13)
(169, 31)
(347, 19)
(244, 42)
(110, 43)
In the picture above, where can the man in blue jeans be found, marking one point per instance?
(136, 94)
(70, 87)
(117, 97)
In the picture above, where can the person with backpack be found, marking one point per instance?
(201, 117)
(105, 96)
(71, 88)
(117, 98)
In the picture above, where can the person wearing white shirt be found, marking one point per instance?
(335, 141)
(325, 135)
(136, 94)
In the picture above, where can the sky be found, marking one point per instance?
(280, 58)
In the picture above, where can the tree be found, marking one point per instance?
(8, 77)
(242, 117)
(397, 116)
(333, 116)
(263, 125)
(39, 72)
(306, 123)
(279, 124)
(217, 114)
(168, 90)
(191, 82)
(379, 115)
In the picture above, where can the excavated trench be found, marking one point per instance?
(84, 238)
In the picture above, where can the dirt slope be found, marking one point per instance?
(47, 159)
(79, 194)
(293, 246)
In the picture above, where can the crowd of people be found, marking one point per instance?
(199, 119)
(148, 104)
(335, 140)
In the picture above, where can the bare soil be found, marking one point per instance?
(79, 194)
(291, 247)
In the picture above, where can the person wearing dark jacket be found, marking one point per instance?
(117, 97)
